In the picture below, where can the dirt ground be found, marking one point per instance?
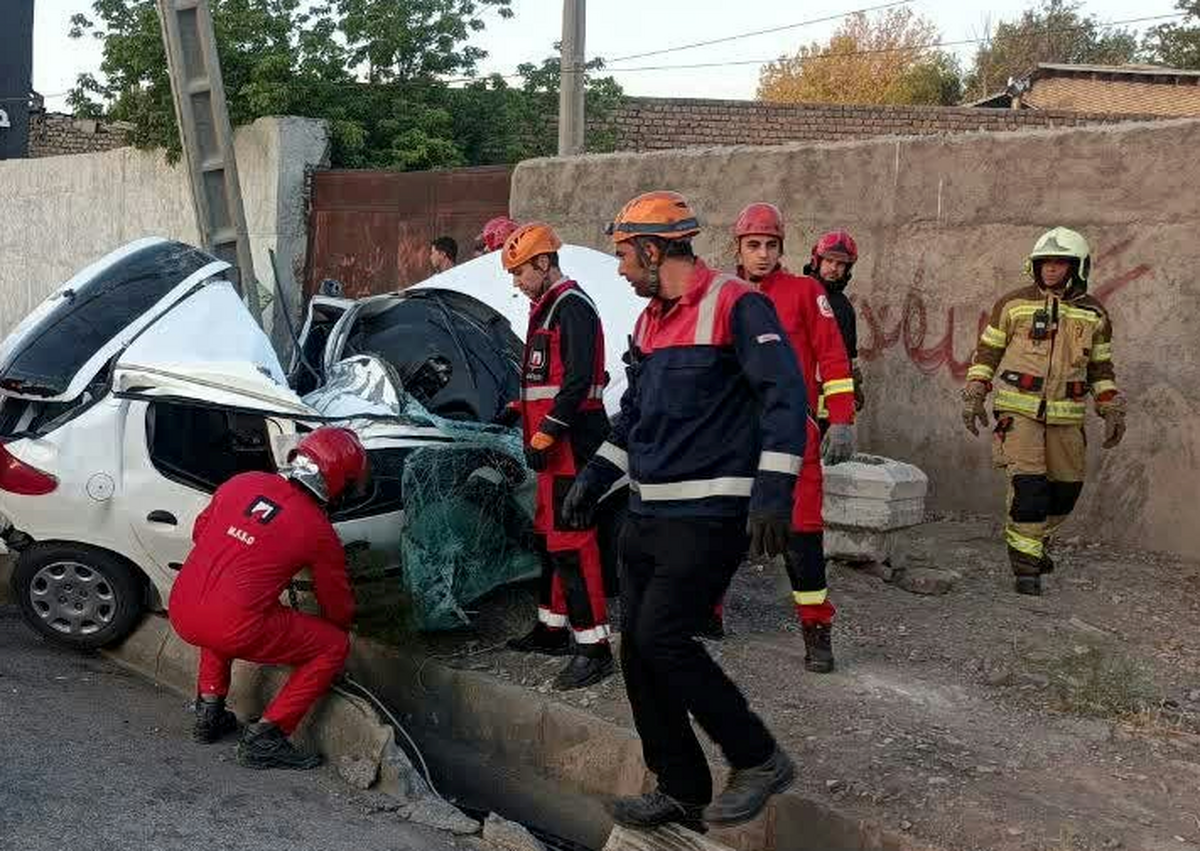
(974, 720)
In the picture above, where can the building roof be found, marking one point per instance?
(1115, 89)
(1131, 70)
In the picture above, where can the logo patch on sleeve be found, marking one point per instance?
(262, 509)
(824, 306)
(769, 338)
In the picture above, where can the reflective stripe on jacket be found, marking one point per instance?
(808, 317)
(1044, 355)
(713, 420)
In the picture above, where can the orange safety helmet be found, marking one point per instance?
(661, 213)
(760, 219)
(527, 242)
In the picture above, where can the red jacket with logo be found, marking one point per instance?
(257, 533)
(807, 316)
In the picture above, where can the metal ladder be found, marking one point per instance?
(207, 137)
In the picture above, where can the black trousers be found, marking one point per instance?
(673, 571)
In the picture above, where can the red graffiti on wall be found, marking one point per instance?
(911, 328)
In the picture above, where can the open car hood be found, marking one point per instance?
(454, 354)
(485, 279)
(477, 298)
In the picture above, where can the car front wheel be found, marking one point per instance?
(77, 595)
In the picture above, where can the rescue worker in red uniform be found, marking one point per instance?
(563, 423)
(493, 235)
(807, 316)
(711, 434)
(832, 263)
(258, 531)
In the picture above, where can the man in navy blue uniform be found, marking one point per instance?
(711, 434)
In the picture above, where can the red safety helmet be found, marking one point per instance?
(759, 219)
(328, 461)
(496, 231)
(835, 245)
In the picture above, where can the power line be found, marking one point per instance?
(879, 50)
(722, 40)
(782, 28)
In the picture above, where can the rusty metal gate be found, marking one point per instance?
(371, 229)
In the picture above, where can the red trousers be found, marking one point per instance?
(572, 583)
(805, 557)
(314, 647)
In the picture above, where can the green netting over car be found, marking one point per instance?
(468, 507)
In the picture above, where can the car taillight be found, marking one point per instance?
(18, 477)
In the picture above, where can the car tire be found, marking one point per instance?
(78, 596)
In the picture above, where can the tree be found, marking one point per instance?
(885, 59)
(376, 70)
(298, 58)
(1052, 32)
(1177, 45)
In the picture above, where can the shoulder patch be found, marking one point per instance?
(824, 306)
(262, 509)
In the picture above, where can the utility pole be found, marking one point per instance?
(207, 137)
(570, 84)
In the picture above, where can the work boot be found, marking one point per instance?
(268, 747)
(818, 647)
(213, 721)
(714, 628)
(654, 809)
(749, 789)
(1031, 585)
(585, 670)
(541, 639)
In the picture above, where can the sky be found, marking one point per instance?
(619, 28)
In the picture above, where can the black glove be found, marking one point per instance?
(508, 417)
(579, 505)
(535, 459)
(768, 532)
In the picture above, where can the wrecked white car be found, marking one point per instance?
(142, 383)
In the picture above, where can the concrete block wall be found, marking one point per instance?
(61, 213)
(653, 124)
(944, 225)
(54, 134)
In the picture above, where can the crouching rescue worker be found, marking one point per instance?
(563, 423)
(807, 316)
(832, 263)
(711, 433)
(1046, 347)
(258, 531)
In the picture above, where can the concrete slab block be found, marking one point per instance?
(873, 492)
(858, 545)
(671, 837)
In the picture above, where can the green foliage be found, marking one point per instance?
(381, 72)
(1177, 45)
(1055, 31)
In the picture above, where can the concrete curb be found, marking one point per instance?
(522, 731)
(497, 745)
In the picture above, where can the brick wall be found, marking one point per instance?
(53, 134)
(648, 124)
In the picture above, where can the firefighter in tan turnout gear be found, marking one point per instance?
(1046, 347)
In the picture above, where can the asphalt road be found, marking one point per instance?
(94, 757)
